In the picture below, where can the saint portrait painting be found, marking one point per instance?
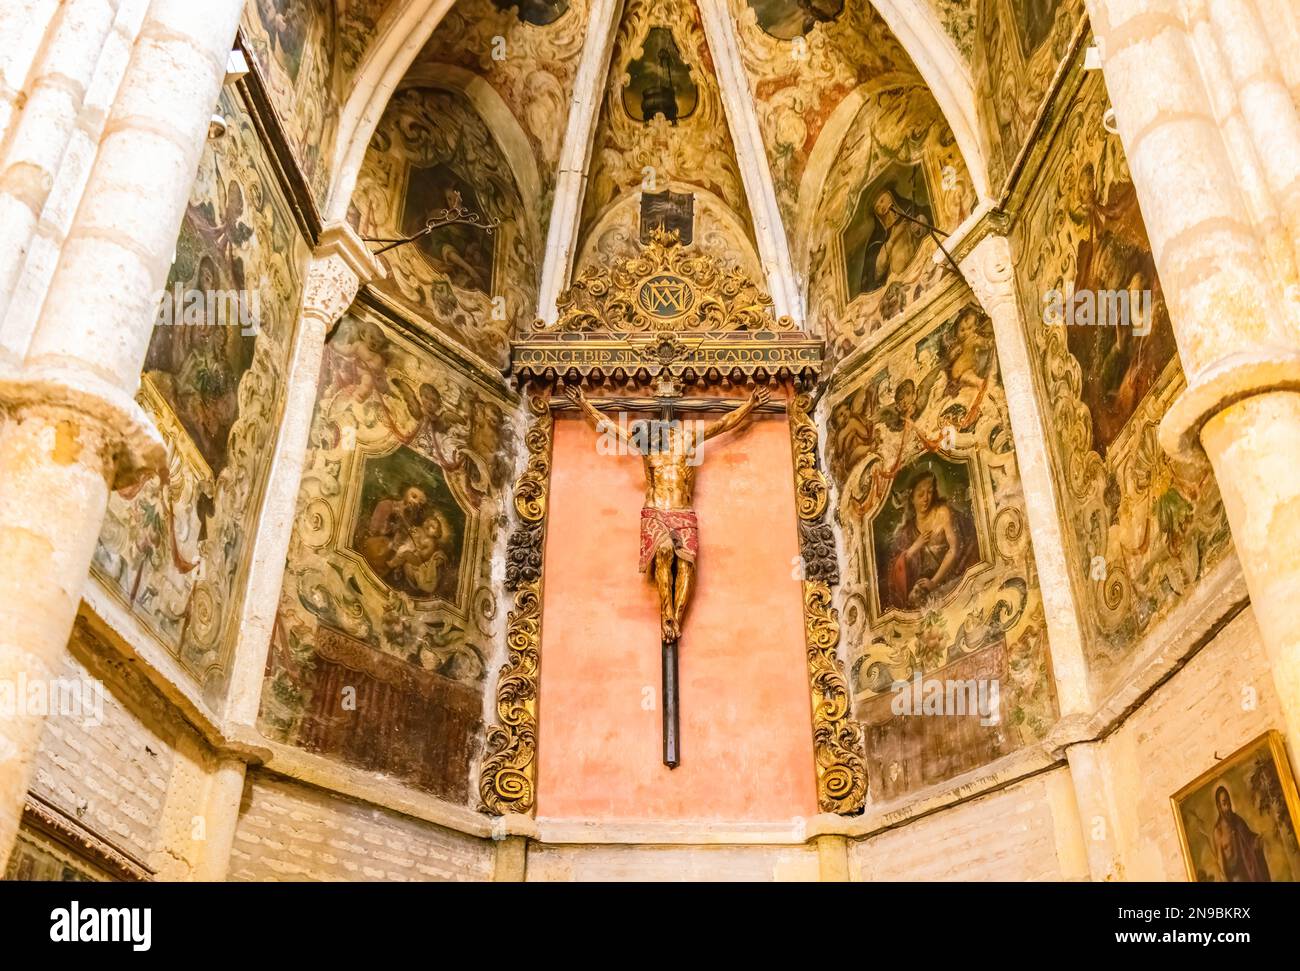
(409, 528)
(880, 245)
(1034, 22)
(1237, 822)
(463, 253)
(788, 19)
(924, 535)
(196, 365)
(539, 13)
(1120, 360)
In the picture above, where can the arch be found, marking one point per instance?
(500, 121)
(825, 155)
(405, 28)
(947, 75)
(615, 212)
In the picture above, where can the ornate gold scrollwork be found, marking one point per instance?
(837, 738)
(507, 780)
(665, 287)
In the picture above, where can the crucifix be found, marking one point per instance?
(672, 451)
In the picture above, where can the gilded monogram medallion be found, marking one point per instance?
(666, 296)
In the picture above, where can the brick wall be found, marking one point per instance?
(288, 831)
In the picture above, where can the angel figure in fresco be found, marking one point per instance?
(853, 431)
(486, 463)
(433, 421)
(1238, 848)
(669, 448)
(969, 353)
(933, 546)
(356, 364)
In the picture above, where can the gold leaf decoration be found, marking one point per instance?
(507, 781)
(715, 297)
(837, 738)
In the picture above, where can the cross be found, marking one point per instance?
(671, 454)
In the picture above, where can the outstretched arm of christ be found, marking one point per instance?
(590, 412)
(738, 417)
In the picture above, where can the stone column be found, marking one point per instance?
(338, 268)
(69, 426)
(988, 269)
(986, 263)
(23, 25)
(65, 155)
(34, 151)
(1196, 103)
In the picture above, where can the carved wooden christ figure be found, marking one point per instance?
(671, 451)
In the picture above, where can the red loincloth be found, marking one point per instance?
(678, 530)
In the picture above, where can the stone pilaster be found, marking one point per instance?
(1097, 816)
(69, 428)
(340, 265)
(988, 269)
(575, 157)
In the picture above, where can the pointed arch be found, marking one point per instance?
(404, 29)
(946, 73)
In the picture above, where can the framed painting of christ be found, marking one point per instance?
(1237, 821)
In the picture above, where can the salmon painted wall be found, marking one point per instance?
(746, 723)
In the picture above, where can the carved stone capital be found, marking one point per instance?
(340, 265)
(132, 446)
(984, 222)
(990, 274)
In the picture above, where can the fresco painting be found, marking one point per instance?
(1143, 529)
(389, 612)
(175, 550)
(939, 586)
(474, 279)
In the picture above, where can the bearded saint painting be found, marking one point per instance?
(1238, 847)
(409, 529)
(1237, 821)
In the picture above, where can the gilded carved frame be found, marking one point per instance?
(610, 336)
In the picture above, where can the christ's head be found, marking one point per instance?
(1223, 801)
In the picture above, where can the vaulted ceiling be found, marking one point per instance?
(768, 120)
(769, 97)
